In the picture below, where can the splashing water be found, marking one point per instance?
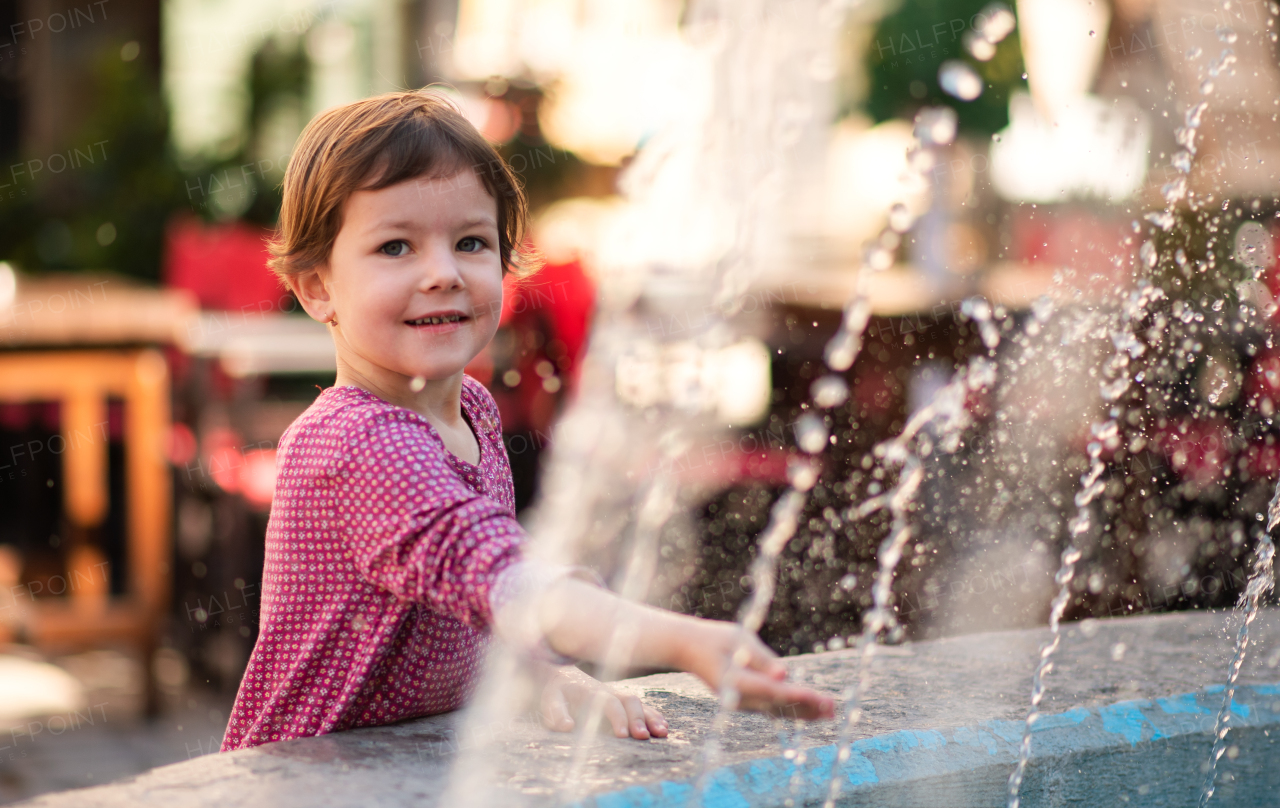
(1127, 347)
(685, 183)
(956, 78)
(940, 423)
(812, 436)
(979, 310)
(1106, 437)
(1091, 486)
(782, 526)
(880, 617)
(991, 26)
(829, 391)
(933, 127)
(1223, 63)
(1262, 581)
(995, 22)
(947, 414)
(655, 509)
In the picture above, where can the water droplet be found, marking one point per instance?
(829, 391)
(920, 160)
(1225, 60)
(1148, 254)
(978, 47)
(901, 218)
(936, 126)
(996, 22)
(1042, 308)
(417, 384)
(1182, 161)
(1093, 33)
(878, 258)
(996, 137)
(811, 433)
(1114, 389)
(841, 350)
(1024, 76)
(1226, 34)
(1206, 87)
(1124, 82)
(1194, 52)
(1174, 190)
(957, 78)
(801, 474)
(1254, 247)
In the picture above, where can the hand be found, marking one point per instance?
(578, 620)
(708, 651)
(568, 696)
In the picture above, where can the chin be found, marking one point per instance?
(435, 373)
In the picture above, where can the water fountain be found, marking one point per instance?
(1137, 705)
(934, 128)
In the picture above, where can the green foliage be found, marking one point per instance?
(247, 184)
(912, 42)
(122, 173)
(134, 183)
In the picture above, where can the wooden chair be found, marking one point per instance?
(88, 616)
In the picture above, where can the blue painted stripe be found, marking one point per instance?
(1184, 704)
(902, 756)
(1125, 719)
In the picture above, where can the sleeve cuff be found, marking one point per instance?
(513, 601)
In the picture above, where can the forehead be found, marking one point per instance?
(460, 195)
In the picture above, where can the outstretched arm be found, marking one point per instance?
(581, 621)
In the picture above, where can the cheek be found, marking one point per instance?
(373, 296)
(487, 296)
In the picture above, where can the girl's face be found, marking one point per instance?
(415, 279)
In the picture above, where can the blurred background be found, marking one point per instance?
(149, 362)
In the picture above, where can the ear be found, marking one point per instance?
(312, 291)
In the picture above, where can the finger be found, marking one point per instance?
(762, 658)
(555, 711)
(616, 715)
(656, 722)
(763, 694)
(636, 722)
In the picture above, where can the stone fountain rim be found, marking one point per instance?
(901, 757)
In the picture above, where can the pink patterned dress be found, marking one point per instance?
(381, 551)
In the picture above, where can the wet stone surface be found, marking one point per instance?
(955, 682)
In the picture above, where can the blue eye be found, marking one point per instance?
(394, 248)
(471, 244)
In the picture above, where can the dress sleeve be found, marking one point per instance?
(489, 422)
(413, 528)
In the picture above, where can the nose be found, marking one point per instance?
(439, 269)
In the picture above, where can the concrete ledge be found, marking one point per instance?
(1127, 721)
(1147, 751)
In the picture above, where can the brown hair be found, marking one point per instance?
(375, 143)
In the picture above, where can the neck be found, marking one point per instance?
(439, 400)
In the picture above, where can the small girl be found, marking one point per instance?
(392, 536)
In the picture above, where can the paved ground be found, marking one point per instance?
(103, 738)
(920, 695)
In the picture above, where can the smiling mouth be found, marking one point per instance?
(441, 320)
